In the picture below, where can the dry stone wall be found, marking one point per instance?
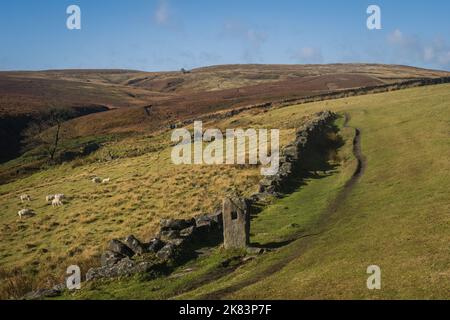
(231, 223)
(178, 239)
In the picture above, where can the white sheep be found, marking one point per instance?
(51, 197)
(60, 196)
(96, 180)
(26, 213)
(106, 180)
(57, 202)
(25, 197)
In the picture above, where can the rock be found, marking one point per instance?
(120, 248)
(134, 244)
(203, 220)
(42, 294)
(110, 258)
(209, 219)
(146, 267)
(203, 232)
(269, 181)
(285, 169)
(188, 233)
(168, 252)
(256, 197)
(291, 152)
(217, 216)
(209, 226)
(125, 267)
(174, 224)
(60, 287)
(166, 235)
(178, 242)
(155, 245)
(255, 251)
(261, 197)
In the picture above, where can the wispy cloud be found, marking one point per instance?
(307, 55)
(412, 50)
(252, 38)
(162, 15)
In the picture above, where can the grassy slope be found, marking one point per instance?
(145, 187)
(397, 216)
(295, 215)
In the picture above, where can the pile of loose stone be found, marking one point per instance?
(176, 240)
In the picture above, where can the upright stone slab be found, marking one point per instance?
(236, 223)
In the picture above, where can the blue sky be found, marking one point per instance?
(158, 35)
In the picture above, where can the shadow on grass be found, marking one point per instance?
(316, 163)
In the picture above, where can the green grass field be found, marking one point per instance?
(397, 216)
(145, 187)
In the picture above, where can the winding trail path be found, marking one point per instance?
(301, 243)
(359, 171)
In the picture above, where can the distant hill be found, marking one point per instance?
(171, 96)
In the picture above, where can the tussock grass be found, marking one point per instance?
(395, 217)
(145, 187)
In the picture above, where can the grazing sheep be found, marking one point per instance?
(106, 180)
(57, 202)
(49, 198)
(26, 213)
(25, 197)
(60, 196)
(97, 180)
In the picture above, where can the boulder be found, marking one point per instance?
(188, 233)
(120, 248)
(217, 217)
(110, 258)
(176, 224)
(125, 267)
(291, 152)
(60, 287)
(270, 184)
(134, 244)
(42, 294)
(209, 226)
(179, 243)
(155, 245)
(166, 235)
(168, 252)
(257, 197)
(211, 220)
(285, 169)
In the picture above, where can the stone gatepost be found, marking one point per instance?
(236, 223)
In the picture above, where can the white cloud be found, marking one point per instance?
(428, 54)
(252, 39)
(162, 15)
(412, 50)
(251, 35)
(308, 55)
(396, 37)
